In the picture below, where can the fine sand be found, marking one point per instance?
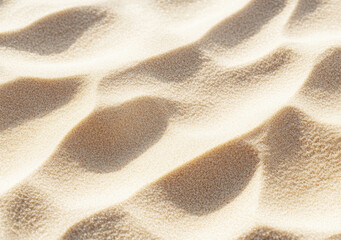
(170, 119)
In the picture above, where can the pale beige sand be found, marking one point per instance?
(170, 119)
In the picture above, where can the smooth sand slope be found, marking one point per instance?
(185, 119)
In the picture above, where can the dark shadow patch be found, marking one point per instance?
(244, 24)
(53, 34)
(213, 180)
(304, 8)
(266, 233)
(266, 66)
(326, 75)
(25, 210)
(25, 99)
(110, 138)
(175, 66)
(108, 224)
(284, 137)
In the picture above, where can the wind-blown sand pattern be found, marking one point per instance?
(191, 119)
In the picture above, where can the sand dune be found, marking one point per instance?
(170, 120)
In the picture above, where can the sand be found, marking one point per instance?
(170, 120)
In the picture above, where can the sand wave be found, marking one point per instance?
(192, 120)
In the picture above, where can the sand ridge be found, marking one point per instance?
(193, 119)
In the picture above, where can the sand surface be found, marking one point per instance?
(170, 119)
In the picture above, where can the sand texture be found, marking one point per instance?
(170, 120)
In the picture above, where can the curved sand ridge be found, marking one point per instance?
(170, 120)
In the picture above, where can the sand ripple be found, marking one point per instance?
(170, 120)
